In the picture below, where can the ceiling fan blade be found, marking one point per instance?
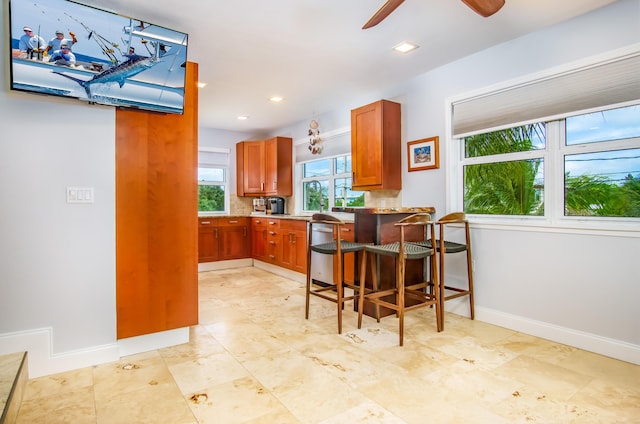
(382, 13)
(484, 8)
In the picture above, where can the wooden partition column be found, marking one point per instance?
(156, 217)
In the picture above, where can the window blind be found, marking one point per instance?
(606, 83)
(213, 157)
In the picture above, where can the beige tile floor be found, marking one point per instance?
(255, 359)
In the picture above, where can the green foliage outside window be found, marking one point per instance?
(504, 188)
(210, 198)
(516, 187)
(597, 196)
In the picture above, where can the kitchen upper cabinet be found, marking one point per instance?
(264, 167)
(376, 146)
(253, 167)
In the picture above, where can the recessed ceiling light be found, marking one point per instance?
(202, 84)
(243, 118)
(275, 99)
(405, 47)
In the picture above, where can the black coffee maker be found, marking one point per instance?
(276, 204)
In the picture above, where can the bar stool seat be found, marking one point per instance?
(403, 251)
(332, 291)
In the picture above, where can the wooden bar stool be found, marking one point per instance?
(332, 291)
(415, 293)
(444, 247)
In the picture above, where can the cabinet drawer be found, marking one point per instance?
(347, 233)
(293, 225)
(231, 222)
(207, 222)
(258, 222)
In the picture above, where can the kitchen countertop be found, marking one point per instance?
(345, 217)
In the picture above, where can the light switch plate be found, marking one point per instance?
(79, 194)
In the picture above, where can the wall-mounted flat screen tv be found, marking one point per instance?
(68, 49)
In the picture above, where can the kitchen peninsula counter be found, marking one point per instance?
(376, 225)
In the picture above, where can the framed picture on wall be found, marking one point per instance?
(423, 154)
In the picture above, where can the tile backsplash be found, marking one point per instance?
(372, 199)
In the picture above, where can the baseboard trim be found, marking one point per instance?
(149, 342)
(42, 361)
(591, 342)
(216, 266)
(283, 272)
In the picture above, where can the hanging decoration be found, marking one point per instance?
(315, 142)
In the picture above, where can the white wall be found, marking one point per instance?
(579, 289)
(57, 266)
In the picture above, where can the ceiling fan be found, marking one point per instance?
(484, 8)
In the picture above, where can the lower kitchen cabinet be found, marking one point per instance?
(259, 238)
(234, 238)
(293, 235)
(273, 248)
(222, 239)
(280, 241)
(277, 241)
(207, 239)
(350, 259)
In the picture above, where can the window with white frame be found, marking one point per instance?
(327, 182)
(598, 175)
(575, 155)
(213, 168)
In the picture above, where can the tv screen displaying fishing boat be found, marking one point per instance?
(68, 49)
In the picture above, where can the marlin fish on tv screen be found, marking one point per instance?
(68, 49)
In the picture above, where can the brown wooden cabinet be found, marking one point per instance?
(293, 236)
(221, 239)
(274, 246)
(280, 241)
(347, 234)
(264, 167)
(376, 146)
(156, 198)
(234, 238)
(207, 240)
(258, 238)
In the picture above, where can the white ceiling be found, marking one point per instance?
(315, 54)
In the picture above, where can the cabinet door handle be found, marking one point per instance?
(273, 233)
(205, 222)
(272, 223)
(262, 186)
(258, 221)
(235, 221)
(346, 230)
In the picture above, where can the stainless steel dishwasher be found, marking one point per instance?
(322, 265)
